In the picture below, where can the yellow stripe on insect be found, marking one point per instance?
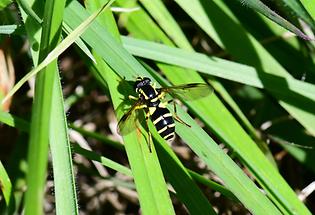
(171, 125)
(171, 134)
(157, 120)
(152, 110)
(163, 129)
(143, 93)
(167, 115)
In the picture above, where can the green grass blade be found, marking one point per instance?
(108, 48)
(7, 29)
(167, 22)
(4, 4)
(298, 10)
(51, 56)
(310, 7)
(5, 185)
(25, 5)
(234, 72)
(15, 122)
(80, 43)
(23, 125)
(186, 190)
(172, 29)
(216, 67)
(39, 129)
(151, 187)
(234, 179)
(216, 19)
(64, 178)
(260, 7)
(103, 160)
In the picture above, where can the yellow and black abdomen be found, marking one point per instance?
(164, 123)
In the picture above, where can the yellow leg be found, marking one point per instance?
(132, 97)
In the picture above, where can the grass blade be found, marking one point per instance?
(299, 11)
(153, 194)
(5, 185)
(71, 38)
(7, 29)
(39, 129)
(234, 72)
(64, 178)
(260, 7)
(122, 62)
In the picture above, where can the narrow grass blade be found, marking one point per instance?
(216, 67)
(260, 7)
(103, 160)
(108, 48)
(25, 5)
(21, 124)
(15, 122)
(298, 10)
(151, 187)
(4, 4)
(167, 22)
(186, 190)
(71, 38)
(80, 43)
(5, 184)
(40, 121)
(300, 108)
(160, 13)
(7, 29)
(236, 180)
(64, 178)
(310, 7)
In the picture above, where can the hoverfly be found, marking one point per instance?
(150, 99)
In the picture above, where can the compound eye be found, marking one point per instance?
(147, 80)
(136, 85)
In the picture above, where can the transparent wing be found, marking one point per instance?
(129, 120)
(189, 91)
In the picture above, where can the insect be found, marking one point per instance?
(150, 99)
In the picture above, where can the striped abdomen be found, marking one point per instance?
(164, 123)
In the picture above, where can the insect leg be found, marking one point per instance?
(176, 117)
(149, 133)
(132, 97)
